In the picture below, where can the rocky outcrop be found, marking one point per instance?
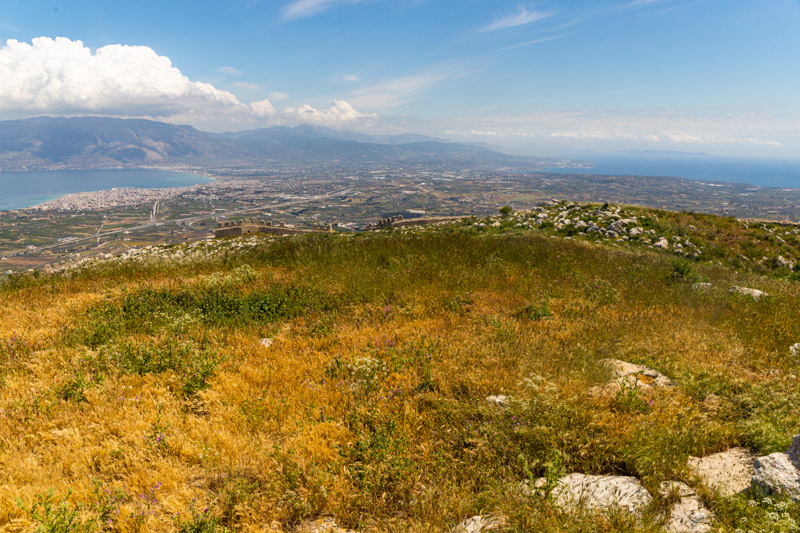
(755, 294)
(688, 514)
(779, 473)
(727, 472)
(632, 375)
(600, 493)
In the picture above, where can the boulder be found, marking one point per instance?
(728, 472)
(600, 493)
(688, 514)
(634, 232)
(480, 523)
(266, 342)
(662, 243)
(779, 473)
(753, 293)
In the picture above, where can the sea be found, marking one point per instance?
(782, 173)
(26, 189)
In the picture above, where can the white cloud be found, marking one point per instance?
(351, 77)
(247, 86)
(230, 71)
(306, 8)
(60, 76)
(522, 17)
(64, 77)
(535, 41)
(735, 131)
(397, 91)
(339, 113)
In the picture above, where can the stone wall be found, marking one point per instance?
(244, 227)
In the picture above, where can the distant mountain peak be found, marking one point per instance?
(100, 142)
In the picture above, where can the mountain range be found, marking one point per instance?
(98, 142)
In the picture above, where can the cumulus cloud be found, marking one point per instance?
(64, 77)
(340, 112)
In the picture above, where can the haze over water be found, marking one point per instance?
(26, 189)
(784, 173)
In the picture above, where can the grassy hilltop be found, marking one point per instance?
(255, 384)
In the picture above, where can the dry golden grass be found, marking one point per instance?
(370, 403)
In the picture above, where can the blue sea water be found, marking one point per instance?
(782, 173)
(26, 189)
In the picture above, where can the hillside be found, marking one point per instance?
(96, 142)
(406, 380)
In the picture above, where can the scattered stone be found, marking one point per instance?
(633, 232)
(688, 514)
(639, 375)
(727, 472)
(323, 525)
(780, 472)
(480, 523)
(794, 349)
(754, 293)
(702, 285)
(784, 262)
(500, 399)
(600, 493)
(662, 243)
(266, 342)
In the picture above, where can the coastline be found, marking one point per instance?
(96, 195)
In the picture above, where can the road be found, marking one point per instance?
(181, 221)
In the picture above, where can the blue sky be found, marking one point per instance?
(539, 77)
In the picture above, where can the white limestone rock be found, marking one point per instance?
(780, 472)
(638, 375)
(753, 293)
(688, 514)
(480, 524)
(266, 342)
(794, 349)
(662, 243)
(501, 400)
(727, 472)
(600, 493)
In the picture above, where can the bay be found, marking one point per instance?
(25, 189)
(784, 173)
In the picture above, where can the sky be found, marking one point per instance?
(545, 78)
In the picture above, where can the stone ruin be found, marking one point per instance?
(230, 228)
